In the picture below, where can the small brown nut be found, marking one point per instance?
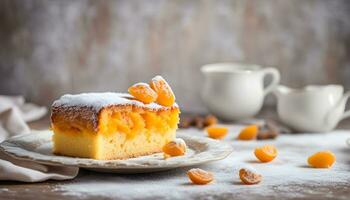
(267, 131)
(263, 135)
(249, 176)
(199, 122)
(186, 122)
(210, 120)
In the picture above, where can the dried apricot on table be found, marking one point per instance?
(217, 132)
(249, 176)
(249, 133)
(177, 147)
(266, 153)
(322, 159)
(143, 92)
(166, 96)
(199, 176)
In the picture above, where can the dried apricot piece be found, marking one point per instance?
(199, 176)
(177, 147)
(321, 159)
(186, 121)
(249, 133)
(166, 96)
(143, 92)
(266, 153)
(217, 132)
(199, 122)
(249, 176)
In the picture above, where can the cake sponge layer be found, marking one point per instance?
(110, 147)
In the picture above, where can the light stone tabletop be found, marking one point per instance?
(287, 177)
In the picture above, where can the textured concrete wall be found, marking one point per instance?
(49, 48)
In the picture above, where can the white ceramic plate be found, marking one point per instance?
(37, 146)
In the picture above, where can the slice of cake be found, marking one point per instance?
(108, 126)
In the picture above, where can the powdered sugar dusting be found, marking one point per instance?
(141, 84)
(100, 100)
(250, 169)
(159, 78)
(287, 176)
(180, 142)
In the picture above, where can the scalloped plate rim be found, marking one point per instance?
(9, 145)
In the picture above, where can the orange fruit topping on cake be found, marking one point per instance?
(166, 96)
(143, 92)
(111, 125)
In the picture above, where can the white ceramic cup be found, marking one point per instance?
(234, 91)
(315, 108)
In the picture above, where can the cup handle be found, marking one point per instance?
(345, 98)
(275, 79)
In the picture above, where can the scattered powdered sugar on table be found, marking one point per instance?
(287, 175)
(3, 190)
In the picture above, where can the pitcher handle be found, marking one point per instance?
(345, 98)
(275, 79)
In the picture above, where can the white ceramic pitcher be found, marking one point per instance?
(314, 108)
(235, 91)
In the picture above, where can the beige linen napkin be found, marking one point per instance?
(14, 113)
